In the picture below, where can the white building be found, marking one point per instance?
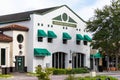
(52, 37)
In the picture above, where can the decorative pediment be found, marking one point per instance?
(64, 20)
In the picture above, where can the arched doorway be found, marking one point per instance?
(58, 60)
(78, 60)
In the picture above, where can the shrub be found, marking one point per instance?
(59, 71)
(70, 71)
(77, 71)
(90, 78)
(43, 74)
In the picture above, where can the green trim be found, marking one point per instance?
(73, 12)
(64, 17)
(58, 18)
(41, 52)
(71, 20)
(64, 24)
(51, 34)
(41, 33)
(79, 37)
(97, 55)
(66, 36)
(87, 38)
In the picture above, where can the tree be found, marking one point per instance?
(105, 25)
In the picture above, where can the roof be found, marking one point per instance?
(14, 27)
(5, 38)
(23, 16)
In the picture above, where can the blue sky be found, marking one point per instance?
(84, 8)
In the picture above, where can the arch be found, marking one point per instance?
(59, 59)
(78, 60)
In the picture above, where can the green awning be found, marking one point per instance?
(79, 37)
(66, 36)
(41, 52)
(97, 55)
(41, 33)
(87, 38)
(51, 34)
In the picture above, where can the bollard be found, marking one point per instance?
(93, 74)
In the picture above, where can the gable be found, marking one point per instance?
(64, 20)
(64, 16)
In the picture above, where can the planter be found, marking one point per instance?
(112, 68)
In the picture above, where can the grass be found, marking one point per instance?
(91, 78)
(5, 76)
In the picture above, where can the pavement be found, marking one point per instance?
(24, 76)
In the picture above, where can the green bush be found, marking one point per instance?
(43, 74)
(59, 71)
(70, 71)
(77, 71)
(90, 78)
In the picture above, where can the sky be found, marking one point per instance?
(84, 8)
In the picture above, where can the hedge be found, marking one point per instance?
(70, 71)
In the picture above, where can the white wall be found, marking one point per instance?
(6, 46)
(57, 45)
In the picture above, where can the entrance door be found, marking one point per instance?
(19, 63)
(58, 60)
(77, 60)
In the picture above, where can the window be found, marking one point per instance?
(51, 25)
(85, 42)
(50, 40)
(58, 60)
(78, 42)
(3, 57)
(66, 28)
(41, 24)
(38, 24)
(48, 25)
(64, 41)
(20, 38)
(40, 39)
(78, 60)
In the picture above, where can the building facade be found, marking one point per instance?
(52, 37)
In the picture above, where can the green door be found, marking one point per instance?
(19, 63)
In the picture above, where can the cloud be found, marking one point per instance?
(88, 11)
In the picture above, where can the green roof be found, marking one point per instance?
(41, 52)
(51, 34)
(87, 38)
(41, 33)
(97, 55)
(79, 37)
(66, 36)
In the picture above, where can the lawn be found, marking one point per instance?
(5, 76)
(91, 78)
